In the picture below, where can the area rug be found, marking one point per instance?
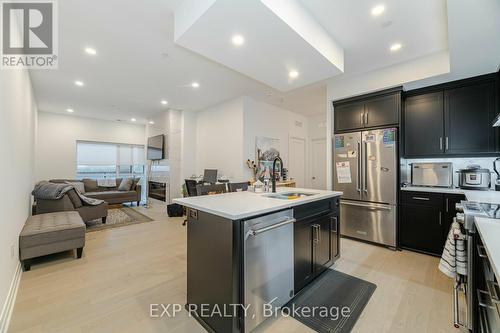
(118, 217)
(338, 300)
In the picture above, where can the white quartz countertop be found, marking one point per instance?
(489, 229)
(240, 205)
(491, 197)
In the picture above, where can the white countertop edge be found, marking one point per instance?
(433, 189)
(489, 230)
(280, 204)
(491, 197)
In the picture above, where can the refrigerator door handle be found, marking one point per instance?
(365, 167)
(358, 187)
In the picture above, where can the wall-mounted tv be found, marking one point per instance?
(156, 147)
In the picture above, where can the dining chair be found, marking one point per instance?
(210, 189)
(237, 187)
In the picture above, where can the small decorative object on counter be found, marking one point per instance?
(285, 174)
(266, 185)
(258, 186)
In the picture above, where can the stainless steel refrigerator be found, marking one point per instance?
(365, 169)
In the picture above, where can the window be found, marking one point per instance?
(109, 160)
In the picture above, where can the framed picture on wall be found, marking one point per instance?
(266, 150)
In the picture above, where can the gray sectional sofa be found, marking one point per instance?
(71, 201)
(112, 195)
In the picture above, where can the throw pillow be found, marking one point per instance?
(90, 185)
(79, 186)
(75, 198)
(126, 184)
(136, 182)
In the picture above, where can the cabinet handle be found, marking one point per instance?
(440, 143)
(333, 224)
(446, 144)
(366, 118)
(481, 251)
(447, 210)
(440, 218)
(492, 290)
(362, 118)
(319, 233)
(315, 230)
(421, 198)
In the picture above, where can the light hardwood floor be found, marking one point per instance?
(124, 270)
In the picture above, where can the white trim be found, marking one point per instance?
(10, 301)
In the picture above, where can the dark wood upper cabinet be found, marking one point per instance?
(383, 110)
(368, 111)
(349, 116)
(468, 113)
(423, 125)
(452, 119)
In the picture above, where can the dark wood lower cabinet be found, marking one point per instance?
(316, 238)
(425, 220)
(421, 228)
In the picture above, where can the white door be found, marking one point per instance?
(297, 161)
(318, 164)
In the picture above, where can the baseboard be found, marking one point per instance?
(10, 301)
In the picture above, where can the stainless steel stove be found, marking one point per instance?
(467, 211)
(470, 209)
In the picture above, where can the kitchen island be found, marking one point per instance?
(246, 250)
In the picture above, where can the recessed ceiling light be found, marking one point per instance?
(70, 110)
(293, 74)
(396, 47)
(164, 102)
(195, 85)
(133, 119)
(151, 122)
(79, 83)
(90, 51)
(377, 10)
(238, 40)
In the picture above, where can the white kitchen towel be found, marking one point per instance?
(454, 258)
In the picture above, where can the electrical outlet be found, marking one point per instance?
(12, 251)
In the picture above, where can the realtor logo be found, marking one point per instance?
(29, 34)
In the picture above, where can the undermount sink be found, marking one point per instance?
(290, 195)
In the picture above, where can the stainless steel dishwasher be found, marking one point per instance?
(268, 264)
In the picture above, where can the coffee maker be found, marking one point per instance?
(497, 181)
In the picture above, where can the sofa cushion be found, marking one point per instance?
(79, 186)
(90, 185)
(75, 198)
(126, 184)
(111, 195)
(51, 228)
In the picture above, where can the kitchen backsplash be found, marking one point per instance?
(458, 163)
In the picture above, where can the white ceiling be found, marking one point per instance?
(272, 46)
(420, 26)
(138, 64)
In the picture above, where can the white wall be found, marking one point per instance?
(169, 170)
(17, 148)
(223, 137)
(57, 136)
(265, 120)
(219, 140)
